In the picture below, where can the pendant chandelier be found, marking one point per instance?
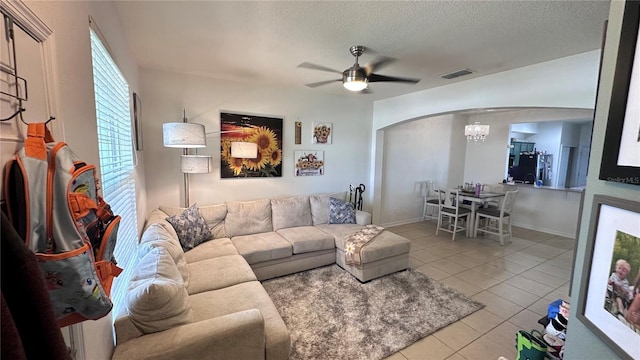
(476, 132)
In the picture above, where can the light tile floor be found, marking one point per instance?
(516, 282)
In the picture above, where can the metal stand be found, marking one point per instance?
(356, 197)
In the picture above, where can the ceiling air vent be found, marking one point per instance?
(458, 73)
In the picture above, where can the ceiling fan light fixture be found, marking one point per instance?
(356, 85)
(355, 79)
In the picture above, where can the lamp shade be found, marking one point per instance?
(246, 150)
(195, 164)
(183, 135)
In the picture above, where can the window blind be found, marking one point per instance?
(116, 152)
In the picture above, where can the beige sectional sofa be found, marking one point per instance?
(208, 302)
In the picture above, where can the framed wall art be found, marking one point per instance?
(621, 150)
(297, 133)
(609, 302)
(322, 133)
(309, 163)
(264, 131)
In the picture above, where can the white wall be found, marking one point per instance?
(585, 134)
(485, 162)
(421, 150)
(570, 134)
(458, 157)
(165, 94)
(551, 211)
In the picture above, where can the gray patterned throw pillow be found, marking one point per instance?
(341, 212)
(191, 227)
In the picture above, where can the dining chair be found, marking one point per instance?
(495, 218)
(493, 188)
(455, 214)
(431, 201)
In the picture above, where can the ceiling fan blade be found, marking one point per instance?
(381, 78)
(320, 83)
(378, 63)
(311, 66)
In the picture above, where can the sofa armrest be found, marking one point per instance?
(363, 217)
(239, 335)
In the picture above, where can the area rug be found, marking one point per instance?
(331, 315)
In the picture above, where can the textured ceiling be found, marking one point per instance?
(264, 42)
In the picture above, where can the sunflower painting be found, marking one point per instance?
(266, 132)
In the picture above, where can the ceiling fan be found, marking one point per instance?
(357, 78)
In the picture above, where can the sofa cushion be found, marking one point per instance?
(339, 231)
(341, 212)
(261, 247)
(248, 217)
(290, 212)
(156, 235)
(213, 214)
(307, 239)
(320, 206)
(210, 249)
(156, 297)
(191, 227)
(219, 272)
(385, 245)
(248, 295)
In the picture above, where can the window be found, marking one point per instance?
(116, 158)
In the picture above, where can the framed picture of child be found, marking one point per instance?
(609, 303)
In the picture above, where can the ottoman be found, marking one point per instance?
(385, 254)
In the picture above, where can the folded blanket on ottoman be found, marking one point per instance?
(354, 243)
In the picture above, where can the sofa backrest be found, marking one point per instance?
(248, 217)
(291, 212)
(158, 216)
(213, 214)
(320, 206)
(235, 218)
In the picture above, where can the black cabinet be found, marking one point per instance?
(518, 147)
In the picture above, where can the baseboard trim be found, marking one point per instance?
(545, 230)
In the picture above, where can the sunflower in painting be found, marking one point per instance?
(321, 133)
(265, 138)
(268, 156)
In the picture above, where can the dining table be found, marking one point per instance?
(477, 201)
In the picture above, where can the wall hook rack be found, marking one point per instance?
(19, 82)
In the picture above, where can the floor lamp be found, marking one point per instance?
(187, 136)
